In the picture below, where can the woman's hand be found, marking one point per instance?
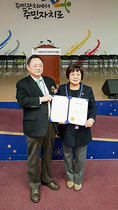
(89, 123)
(62, 123)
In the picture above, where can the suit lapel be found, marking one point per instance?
(83, 91)
(48, 84)
(34, 85)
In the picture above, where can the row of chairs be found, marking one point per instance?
(92, 63)
(12, 63)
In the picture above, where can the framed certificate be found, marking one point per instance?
(69, 110)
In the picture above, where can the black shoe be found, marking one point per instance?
(34, 196)
(53, 185)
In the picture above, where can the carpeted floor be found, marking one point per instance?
(105, 126)
(100, 189)
(99, 192)
(11, 120)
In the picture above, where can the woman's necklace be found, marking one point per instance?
(73, 87)
(79, 92)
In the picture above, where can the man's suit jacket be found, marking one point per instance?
(81, 136)
(35, 115)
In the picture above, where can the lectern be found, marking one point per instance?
(51, 57)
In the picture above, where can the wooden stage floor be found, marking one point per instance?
(96, 81)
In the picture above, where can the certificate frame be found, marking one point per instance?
(69, 110)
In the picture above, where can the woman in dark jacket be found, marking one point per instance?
(75, 137)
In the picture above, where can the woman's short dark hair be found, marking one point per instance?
(33, 56)
(74, 67)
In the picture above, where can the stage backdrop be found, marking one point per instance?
(76, 26)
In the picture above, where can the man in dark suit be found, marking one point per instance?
(34, 94)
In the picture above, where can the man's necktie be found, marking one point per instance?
(38, 83)
(44, 92)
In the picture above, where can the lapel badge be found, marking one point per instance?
(82, 94)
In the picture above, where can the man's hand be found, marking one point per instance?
(46, 98)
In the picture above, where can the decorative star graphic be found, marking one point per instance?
(9, 146)
(58, 152)
(14, 151)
